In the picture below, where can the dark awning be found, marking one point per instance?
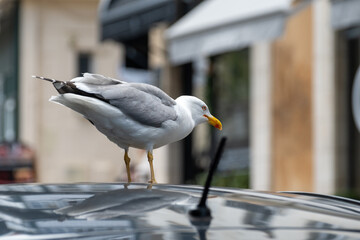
(124, 20)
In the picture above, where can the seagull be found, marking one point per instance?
(134, 115)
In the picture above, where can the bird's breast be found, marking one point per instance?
(178, 129)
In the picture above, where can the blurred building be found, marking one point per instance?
(213, 54)
(279, 75)
(62, 39)
(57, 39)
(301, 130)
(227, 45)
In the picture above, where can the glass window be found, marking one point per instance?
(9, 73)
(348, 135)
(227, 94)
(85, 64)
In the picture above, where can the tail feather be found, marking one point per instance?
(46, 79)
(60, 86)
(70, 87)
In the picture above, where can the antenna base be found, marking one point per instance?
(201, 212)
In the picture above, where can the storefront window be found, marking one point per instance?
(227, 94)
(349, 137)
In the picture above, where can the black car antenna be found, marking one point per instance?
(202, 211)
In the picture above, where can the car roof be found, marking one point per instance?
(142, 211)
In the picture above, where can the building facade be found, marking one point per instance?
(59, 39)
(285, 99)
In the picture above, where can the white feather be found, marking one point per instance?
(125, 132)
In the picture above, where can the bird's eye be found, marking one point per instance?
(203, 108)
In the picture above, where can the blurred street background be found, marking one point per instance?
(278, 74)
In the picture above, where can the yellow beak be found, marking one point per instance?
(214, 121)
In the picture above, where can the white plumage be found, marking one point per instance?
(132, 114)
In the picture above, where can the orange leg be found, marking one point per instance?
(127, 163)
(150, 159)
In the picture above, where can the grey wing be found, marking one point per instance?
(143, 103)
(145, 107)
(165, 99)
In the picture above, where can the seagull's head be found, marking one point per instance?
(199, 111)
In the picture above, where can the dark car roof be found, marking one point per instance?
(140, 211)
